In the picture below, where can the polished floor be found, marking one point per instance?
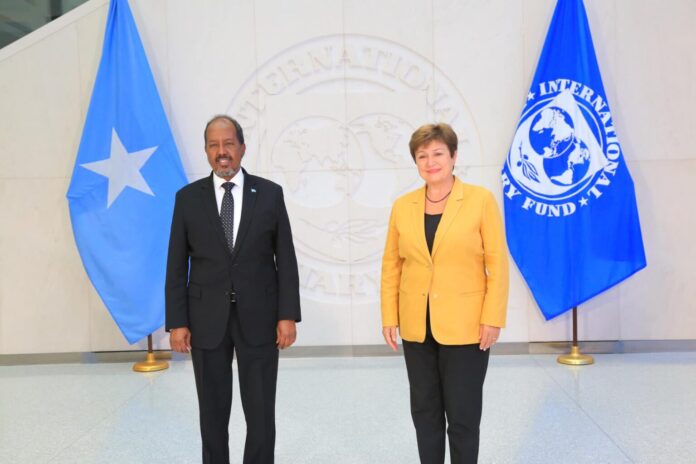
(626, 408)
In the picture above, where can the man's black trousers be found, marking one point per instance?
(258, 373)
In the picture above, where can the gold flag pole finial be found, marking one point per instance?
(150, 364)
(575, 358)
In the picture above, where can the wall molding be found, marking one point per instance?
(358, 351)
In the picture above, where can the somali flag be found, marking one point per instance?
(570, 208)
(126, 174)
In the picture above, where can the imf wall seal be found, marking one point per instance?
(330, 119)
(565, 152)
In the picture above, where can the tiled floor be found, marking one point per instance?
(626, 408)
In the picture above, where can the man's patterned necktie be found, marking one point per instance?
(227, 214)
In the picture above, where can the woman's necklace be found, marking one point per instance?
(441, 199)
(437, 201)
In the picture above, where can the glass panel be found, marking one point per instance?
(21, 17)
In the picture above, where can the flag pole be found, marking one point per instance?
(575, 358)
(150, 364)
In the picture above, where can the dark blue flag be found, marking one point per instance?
(126, 174)
(570, 208)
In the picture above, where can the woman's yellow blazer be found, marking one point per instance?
(466, 277)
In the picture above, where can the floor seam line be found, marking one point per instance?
(91, 429)
(586, 413)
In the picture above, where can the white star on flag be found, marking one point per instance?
(122, 168)
(530, 96)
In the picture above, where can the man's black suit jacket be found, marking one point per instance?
(201, 271)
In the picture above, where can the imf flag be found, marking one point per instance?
(127, 172)
(570, 208)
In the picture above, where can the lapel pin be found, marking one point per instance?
(253, 190)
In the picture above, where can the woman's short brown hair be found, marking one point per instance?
(429, 132)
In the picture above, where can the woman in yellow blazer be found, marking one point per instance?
(445, 286)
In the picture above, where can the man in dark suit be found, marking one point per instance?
(232, 286)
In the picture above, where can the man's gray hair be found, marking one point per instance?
(237, 128)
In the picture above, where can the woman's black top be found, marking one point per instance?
(431, 223)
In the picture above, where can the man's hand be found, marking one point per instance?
(180, 339)
(389, 334)
(286, 333)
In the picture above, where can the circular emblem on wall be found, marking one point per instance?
(330, 120)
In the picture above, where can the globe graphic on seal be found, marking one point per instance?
(552, 136)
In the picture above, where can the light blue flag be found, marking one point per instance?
(124, 181)
(570, 208)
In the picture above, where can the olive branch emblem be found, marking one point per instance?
(528, 169)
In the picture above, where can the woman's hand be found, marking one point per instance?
(488, 335)
(389, 334)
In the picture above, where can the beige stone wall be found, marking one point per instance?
(353, 122)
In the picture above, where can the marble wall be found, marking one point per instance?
(328, 93)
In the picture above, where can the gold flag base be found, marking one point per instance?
(575, 358)
(150, 364)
